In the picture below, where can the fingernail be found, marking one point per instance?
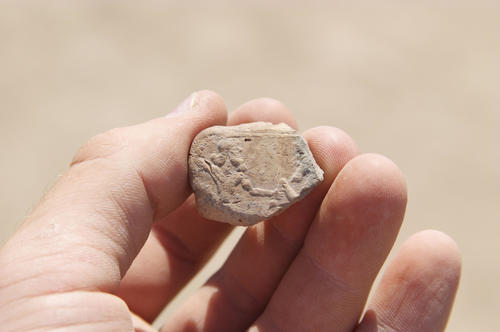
(189, 104)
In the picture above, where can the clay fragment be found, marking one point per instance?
(248, 173)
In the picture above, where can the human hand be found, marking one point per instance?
(119, 233)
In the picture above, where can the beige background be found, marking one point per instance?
(419, 83)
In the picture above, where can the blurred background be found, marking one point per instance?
(418, 82)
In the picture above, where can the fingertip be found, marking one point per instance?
(377, 178)
(208, 101)
(263, 109)
(372, 188)
(421, 281)
(332, 148)
(433, 254)
(202, 109)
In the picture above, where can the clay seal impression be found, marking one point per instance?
(251, 172)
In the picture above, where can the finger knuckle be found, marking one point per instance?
(101, 146)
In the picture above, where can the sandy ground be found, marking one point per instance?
(418, 83)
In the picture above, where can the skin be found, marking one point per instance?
(118, 237)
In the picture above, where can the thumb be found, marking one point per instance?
(90, 226)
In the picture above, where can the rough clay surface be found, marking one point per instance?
(247, 173)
